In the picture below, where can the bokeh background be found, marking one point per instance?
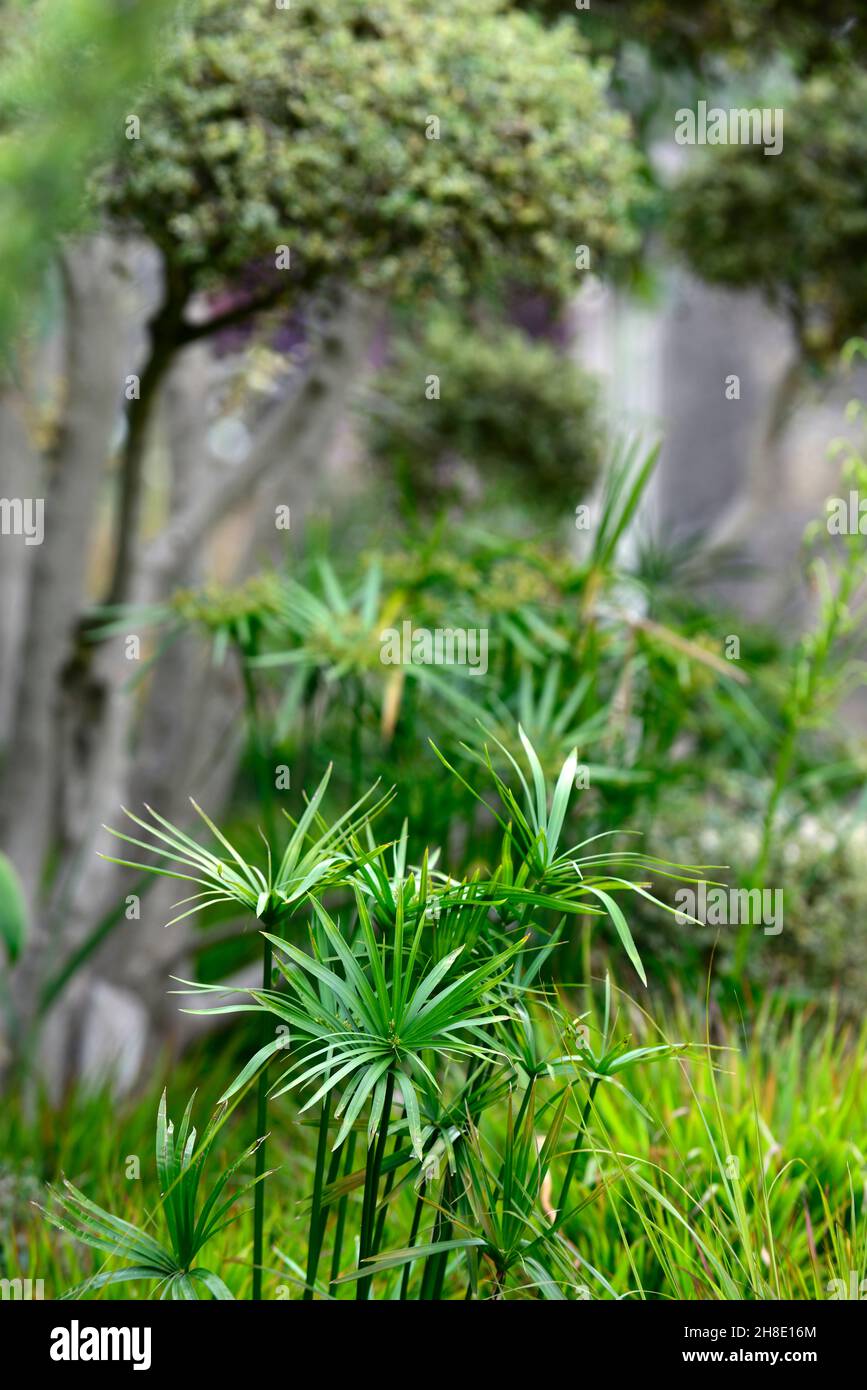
(315, 318)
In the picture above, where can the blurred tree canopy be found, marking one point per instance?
(810, 32)
(517, 411)
(696, 33)
(404, 147)
(793, 225)
(346, 146)
(67, 73)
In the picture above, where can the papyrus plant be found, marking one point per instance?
(415, 993)
(315, 856)
(190, 1216)
(366, 1013)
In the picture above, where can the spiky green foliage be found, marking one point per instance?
(356, 1011)
(654, 1208)
(191, 1217)
(570, 656)
(314, 856)
(423, 993)
(500, 1224)
(570, 878)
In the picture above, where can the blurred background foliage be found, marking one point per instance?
(65, 78)
(313, 130)
(239, 309)
(796, 228)
(514, 415)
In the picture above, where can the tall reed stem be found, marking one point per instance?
(318, 1218)
(433, 1276)
(261, 1125)
(573, 1157)
(413, 1235)
(389, 1184)
(263, 779)
(341, 1217)
(375, 1156)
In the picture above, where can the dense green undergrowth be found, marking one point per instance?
(742, 1163)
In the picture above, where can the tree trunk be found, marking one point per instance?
(95, 340)
(179, 734)
(20, 476)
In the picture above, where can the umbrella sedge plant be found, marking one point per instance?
(418, 1008)
(368, 1014)
(498, 1225)
(191, 1220)
(418, 975)
(565, 875)
(315, 856)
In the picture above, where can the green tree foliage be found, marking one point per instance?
(69, 73)
(692, 33)
(311, 128)
(513, 409)
(794, 225)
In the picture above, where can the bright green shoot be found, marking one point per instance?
(190, 1218)
(565, 877)
(359, 1012)
(309, 862)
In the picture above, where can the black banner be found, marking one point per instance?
(86, 1340)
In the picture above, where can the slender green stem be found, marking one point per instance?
(375, 1156)
(477, 1099)
(256, 733)
(434, 1269)
(529, 1092)
(525, 1101)
(341, 1216)
(807, 683)
(413, 1234)
(365, 1207)
(573, 1157)
(388, 1185)
(442, 1264)
(318, 1217)
(261, 1124)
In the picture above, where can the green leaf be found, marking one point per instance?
(413, 1117)
(622, 929)
(13, 910)
(394, 1258)
(113, 1276)
(560, 802)
(213, 1283)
